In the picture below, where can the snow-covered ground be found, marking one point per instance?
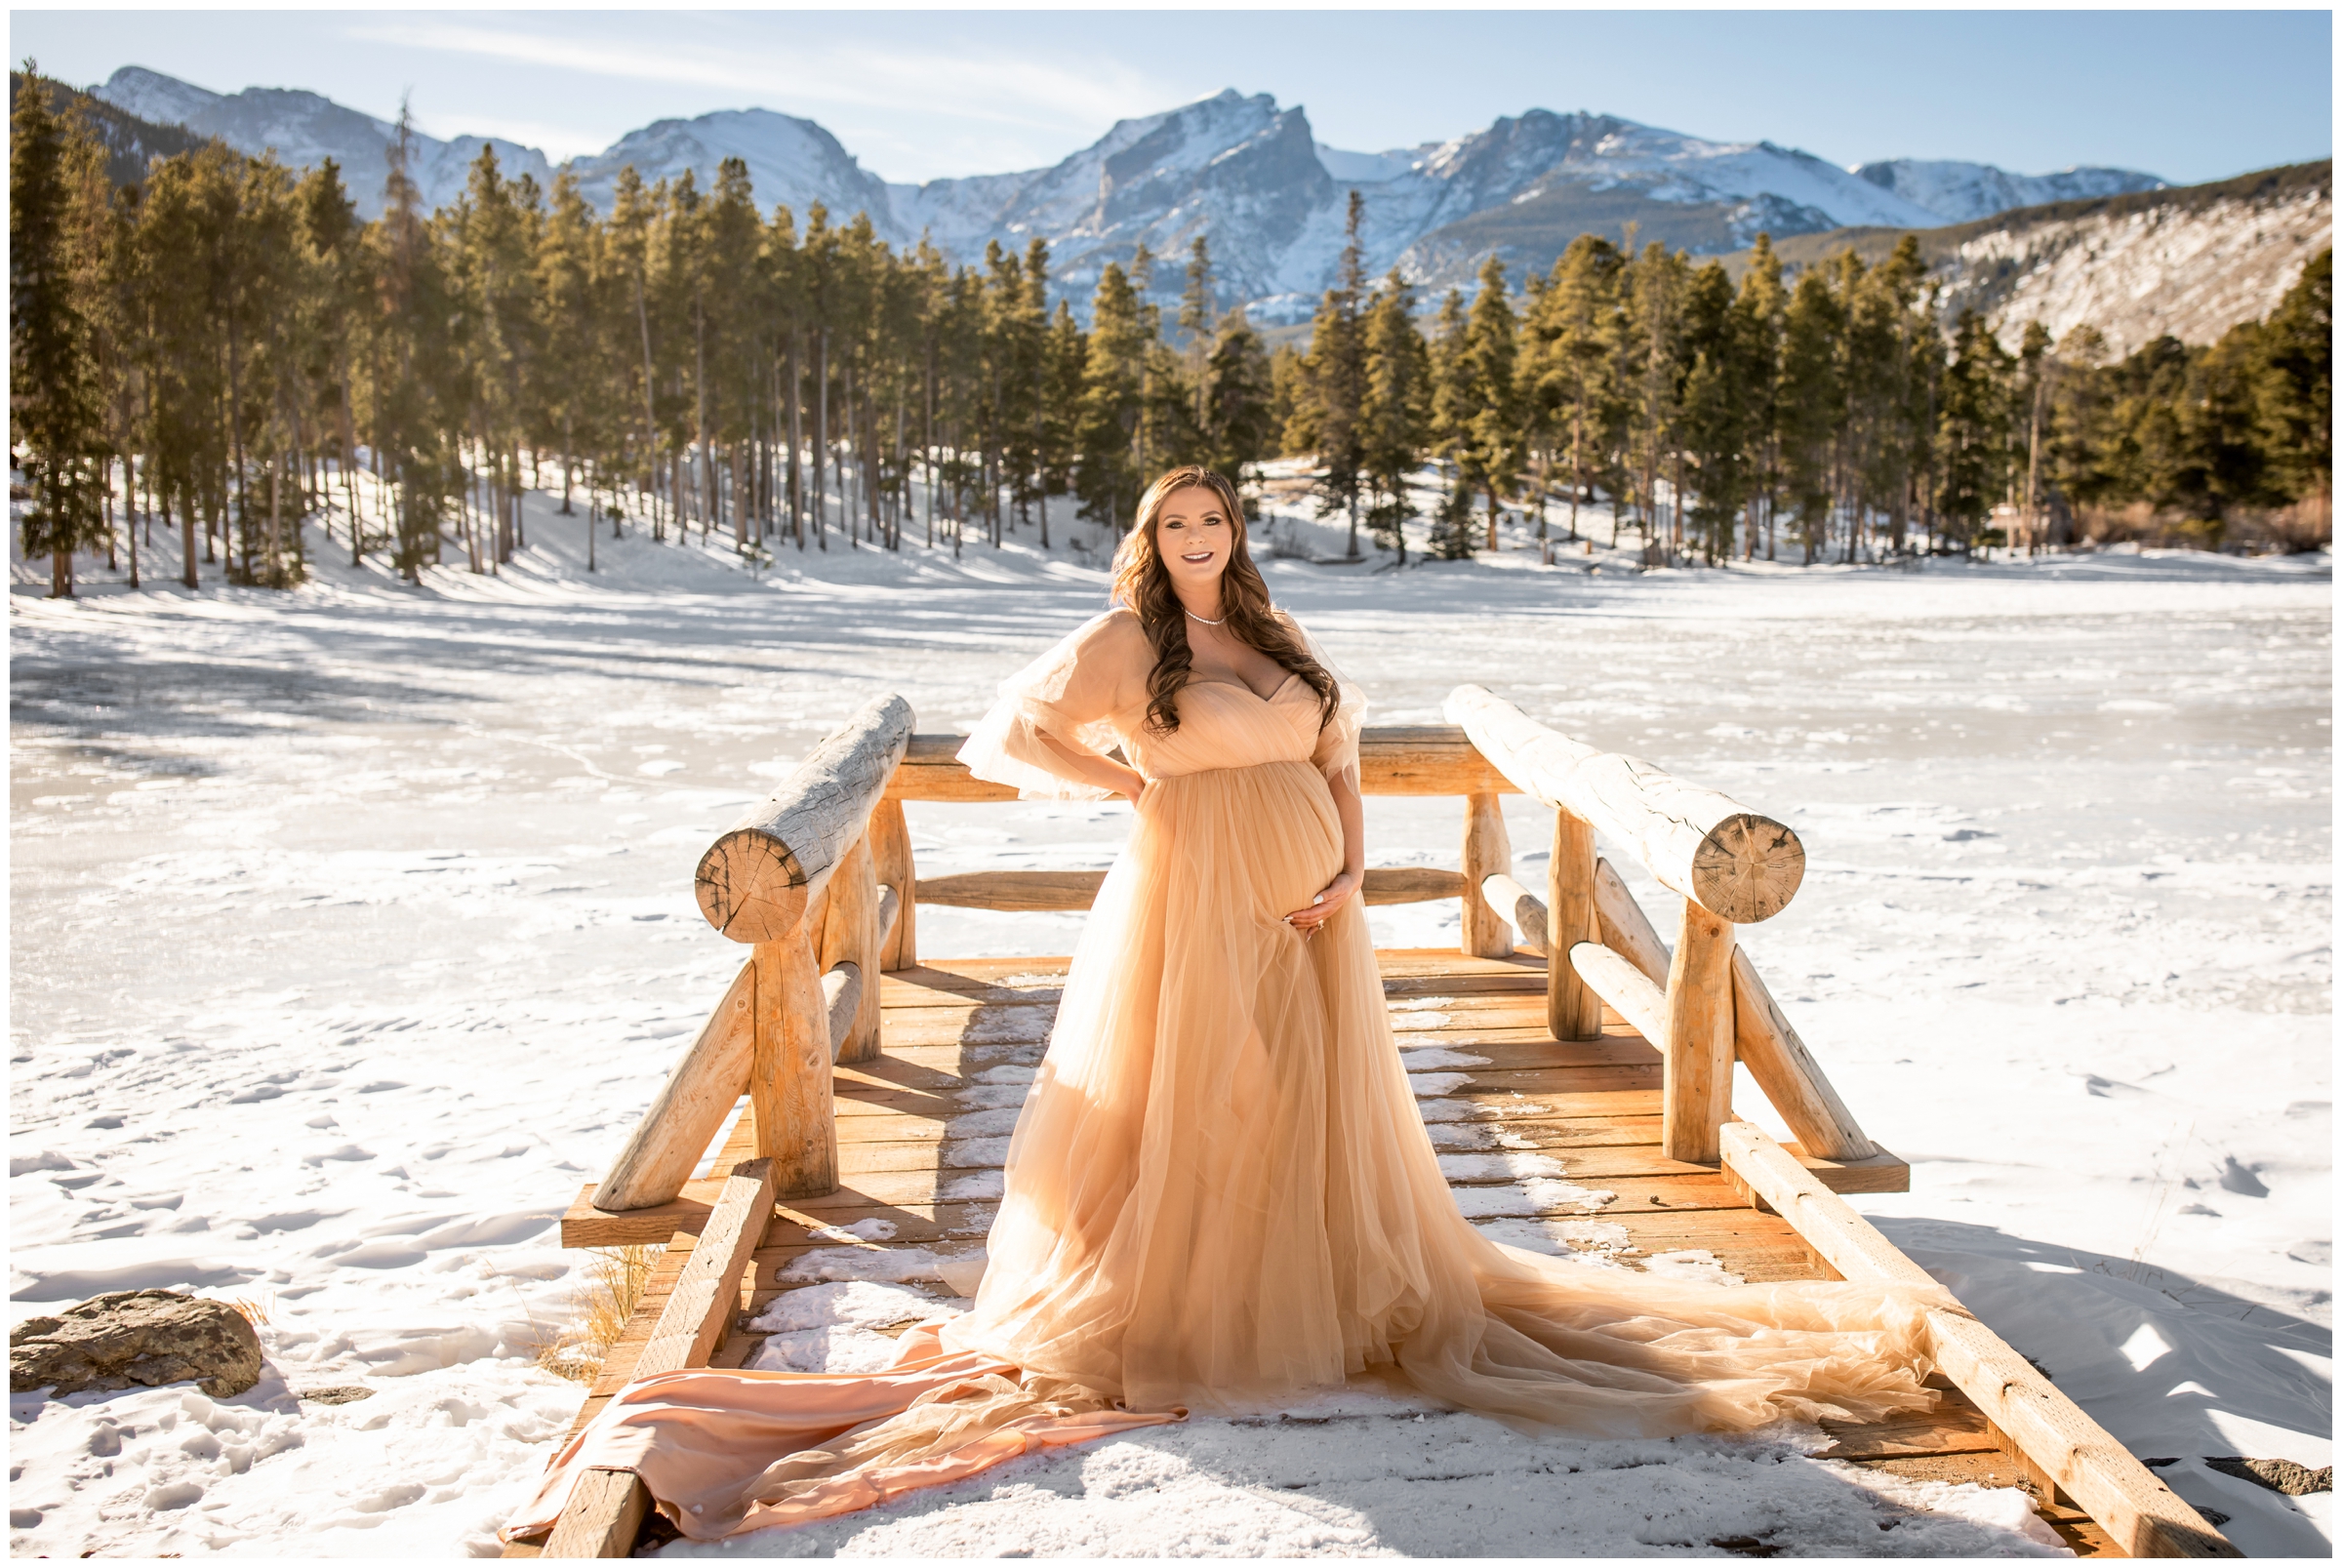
(351, 927)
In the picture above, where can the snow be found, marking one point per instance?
(1960, 192)
(1240, 169)
(306, 128)
(2191, 272)
(348, 939)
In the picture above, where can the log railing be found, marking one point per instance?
(818, 878)
(1702, 1004)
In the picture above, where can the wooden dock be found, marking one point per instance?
(1585, 1064)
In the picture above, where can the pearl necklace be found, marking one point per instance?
(1193, 616)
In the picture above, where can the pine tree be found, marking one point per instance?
(1492, 438)
(1575, 331)
(1397, 413)
(1807, 410)
(2295, 383)
(56, 414)
(1111, 403)
(1716, 403)
(1329, 394)
(1974, 428)
(1760, 311)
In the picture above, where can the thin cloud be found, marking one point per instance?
(1014, 90)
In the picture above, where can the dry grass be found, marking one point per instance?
(254, 1312)
(603, 1304)
(2304, 526)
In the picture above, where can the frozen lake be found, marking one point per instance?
(350, 930)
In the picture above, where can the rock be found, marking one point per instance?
(136, 1338)
(2277, 1475)
(340, 1393)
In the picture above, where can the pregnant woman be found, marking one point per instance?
(1220, 1191)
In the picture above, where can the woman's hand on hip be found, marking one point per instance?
(1322, 908)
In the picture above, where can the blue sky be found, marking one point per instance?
(2189, 96)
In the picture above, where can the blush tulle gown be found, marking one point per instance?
(1220, 1190)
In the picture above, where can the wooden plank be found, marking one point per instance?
(1014, 889)
(1029, 891)
(607, 1508)
(612, 1501)
(2080, 1532)
(699, 1312)
(1425, 759)
(2145, 1517)
(602, 1518)
(1594, 1150)
(1954, 1426)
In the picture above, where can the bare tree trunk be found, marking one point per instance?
(821, 440)
(796, 445)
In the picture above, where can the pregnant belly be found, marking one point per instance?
(1263, 838)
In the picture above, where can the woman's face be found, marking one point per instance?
(1195, 537)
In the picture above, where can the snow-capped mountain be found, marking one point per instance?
(1961, 192)
(1274, 200)
(790, 161)
(1243, 169)
(1240, 169)
(306, 129)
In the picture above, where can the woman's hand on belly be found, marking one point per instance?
(1322, 908)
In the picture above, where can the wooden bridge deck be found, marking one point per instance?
(908, 1156)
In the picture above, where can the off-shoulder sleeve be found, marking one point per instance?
(1337, 751)
(1072, 694)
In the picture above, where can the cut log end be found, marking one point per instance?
(1748, 869)
(751, 887)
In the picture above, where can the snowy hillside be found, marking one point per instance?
(2137, 274)
(1960, 192)
(306, 129)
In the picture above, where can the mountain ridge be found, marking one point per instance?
(1242, 168)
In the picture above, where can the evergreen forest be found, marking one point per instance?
(217, 345)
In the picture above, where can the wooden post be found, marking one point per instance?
(1572, 1011)
(706, 1081)
(890, 841)
(790, 1089)
(1488, 850)
(1698, 1092)
(850, 935)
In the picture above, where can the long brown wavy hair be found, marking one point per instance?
(1142, 585)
